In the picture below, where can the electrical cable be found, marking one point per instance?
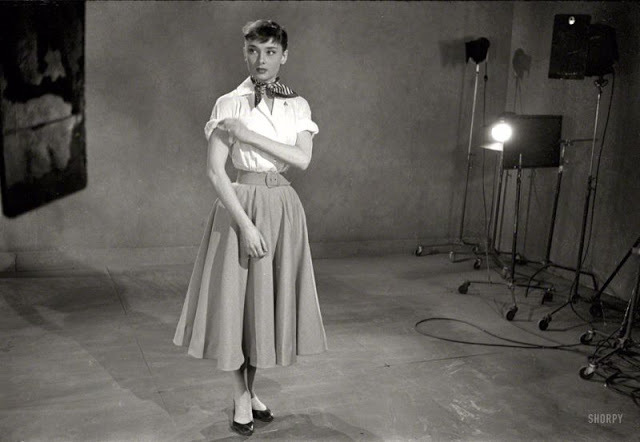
(520, 344)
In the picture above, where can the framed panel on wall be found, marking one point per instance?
(43, 152)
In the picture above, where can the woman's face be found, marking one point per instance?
(264, 59)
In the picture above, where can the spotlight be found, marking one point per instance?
(501, 131)
(494, 136)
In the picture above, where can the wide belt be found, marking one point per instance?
(269, 179)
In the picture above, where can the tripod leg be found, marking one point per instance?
(596, 303)
(622, 339)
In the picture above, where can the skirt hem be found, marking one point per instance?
(260, 366)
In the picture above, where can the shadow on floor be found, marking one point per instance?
(316, 426)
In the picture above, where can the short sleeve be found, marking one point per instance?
(303, 117)
(224, 108)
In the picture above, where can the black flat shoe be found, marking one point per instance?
(242, 429)
(263, 415)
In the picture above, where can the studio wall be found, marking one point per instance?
(616, 223)
(387, 83)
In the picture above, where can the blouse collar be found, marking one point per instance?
(246, 87)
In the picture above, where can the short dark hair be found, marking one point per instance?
(265, 30)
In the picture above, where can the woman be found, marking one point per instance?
(252, 299)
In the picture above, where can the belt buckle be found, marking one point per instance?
(271, 179)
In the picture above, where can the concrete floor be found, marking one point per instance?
(87, 356)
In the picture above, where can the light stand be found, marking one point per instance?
(491, 240)
(588, 336)
(543, 324)
(491, 250)
(469, 159)
(620, 343)
(460, 239)
(511, 282)
(596, 303)
(546, 262)
(477, 51)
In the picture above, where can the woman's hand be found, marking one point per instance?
(236, 128)
(252, 242)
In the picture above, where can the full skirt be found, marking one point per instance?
(264, 309)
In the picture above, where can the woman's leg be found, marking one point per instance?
(241, 396)
(251, 375)
(255, 402)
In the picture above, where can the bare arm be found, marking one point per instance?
(252, 241)
(298, 155)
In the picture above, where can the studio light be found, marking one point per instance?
(477, 49)
(501, 131)
(494, 136)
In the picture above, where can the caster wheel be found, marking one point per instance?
(586, 337)
(547, 297)
(475, 250)
(419, 251)
(587, 372)
(452, 256)
(511, 313)
(477, 264)
(596, 310)
(464, 288)
(543, 324)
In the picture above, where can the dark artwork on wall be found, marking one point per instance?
(42, 108)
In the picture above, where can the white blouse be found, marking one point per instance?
(289, 116)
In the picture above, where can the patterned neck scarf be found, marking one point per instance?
(271, 90)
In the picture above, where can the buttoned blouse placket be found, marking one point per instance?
(273, 118)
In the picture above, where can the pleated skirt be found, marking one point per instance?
(264, 309)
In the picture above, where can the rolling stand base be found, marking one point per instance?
(617, 355)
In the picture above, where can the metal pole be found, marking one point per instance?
(547, 256)
(514, 243)
(466, 184)
(497, 207)
(591, 184)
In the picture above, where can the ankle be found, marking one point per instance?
(256, 404)
(240, 397)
